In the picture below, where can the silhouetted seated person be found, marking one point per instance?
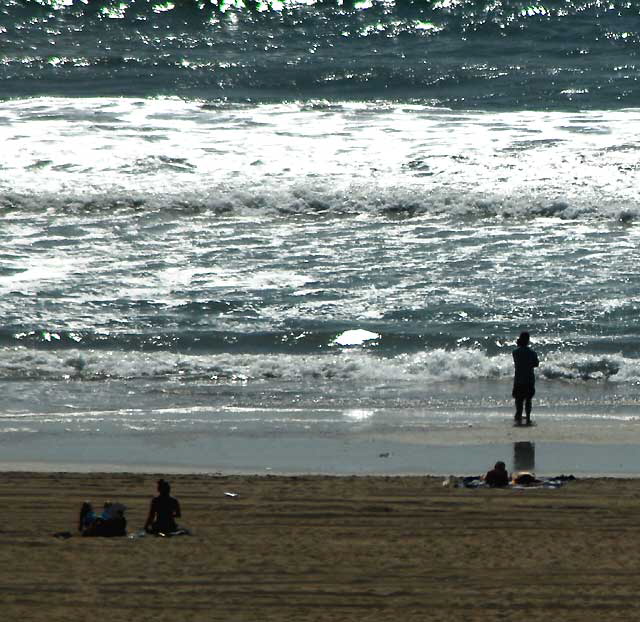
(110, 523)
(497, 476)
(163, 511)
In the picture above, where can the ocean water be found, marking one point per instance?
(305, 235)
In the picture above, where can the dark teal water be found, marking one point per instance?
(573, 55)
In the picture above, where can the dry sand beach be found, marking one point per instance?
(323, 548)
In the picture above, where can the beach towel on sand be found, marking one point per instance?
(181, 531)
(521, 480)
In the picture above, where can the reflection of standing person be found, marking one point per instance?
(524, 380)
(524, 456)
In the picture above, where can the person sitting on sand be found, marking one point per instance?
(498, 476)
(163, 511)
(525, 360)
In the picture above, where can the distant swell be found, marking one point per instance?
(459, 54)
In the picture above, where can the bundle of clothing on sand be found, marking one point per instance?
(498, 477)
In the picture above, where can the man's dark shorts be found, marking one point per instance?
(523, 391)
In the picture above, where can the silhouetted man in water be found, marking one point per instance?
(524, 381)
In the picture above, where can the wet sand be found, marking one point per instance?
(323, 548)
(327, 456)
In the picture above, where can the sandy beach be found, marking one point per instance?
(323, 548)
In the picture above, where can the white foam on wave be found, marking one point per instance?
(612, 367)
(355, 337)
(359, 366)
(395, 159)
(306, 198)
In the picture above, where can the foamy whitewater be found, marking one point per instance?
(304, 236)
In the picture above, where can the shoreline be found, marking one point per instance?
(11, 470)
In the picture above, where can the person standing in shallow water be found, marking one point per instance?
(524, 380)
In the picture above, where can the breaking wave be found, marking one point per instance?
(353, 366)
(306, 201)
